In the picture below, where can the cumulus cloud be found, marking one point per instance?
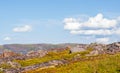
(7, 39)
(94, 26)
(102, 40)
(71, 24)
(25, 28)
(97, 25)
(99, 22)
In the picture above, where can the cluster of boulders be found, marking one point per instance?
(38, 53)
(7, 53)
(97, 48)
(44, 65)
(7, 57)
(93, 48)
(79, 48)
(113, 48)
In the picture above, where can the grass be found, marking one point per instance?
(51, 56)
(48, 57)
(98, 64)
(4, 66)
(92, 64)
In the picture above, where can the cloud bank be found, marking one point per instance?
(97, 26)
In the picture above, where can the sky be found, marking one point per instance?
(59, 21)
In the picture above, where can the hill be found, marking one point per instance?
(61, 58)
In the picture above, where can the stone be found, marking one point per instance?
(93, 53)
(14, 64)
(78, 48)
(8, 54)
(39, 53)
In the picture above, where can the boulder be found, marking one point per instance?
(96, 48)
(113, 48)
(39, 53)
(78, 48)
(93, 53)
(8, 53)
(14, 64)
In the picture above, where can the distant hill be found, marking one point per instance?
(24, 48)
(75, 47)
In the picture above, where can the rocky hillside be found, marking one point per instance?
(42, 57)
(98, 48)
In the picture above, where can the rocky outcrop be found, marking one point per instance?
(113, 48)
(44, 65)
(14, 64)
(39, 53)
(93, 53)
(79, 48)
(92, 50)
(8, 53)
(96, 49)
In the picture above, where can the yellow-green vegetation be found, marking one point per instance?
(50, 56)
(1, 71)
(97, 64)
(78, 63)
(92, 64)
(4, 66)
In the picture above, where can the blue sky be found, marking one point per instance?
(59, 21)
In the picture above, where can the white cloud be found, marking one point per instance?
(117, 31)
(25, 28)
(7, 39)
(99, 22)
(102, 40)
(97, 25)
(91, 32)
(71, 24)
